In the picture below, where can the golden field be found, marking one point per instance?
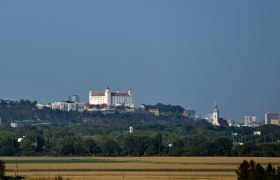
(129, 167)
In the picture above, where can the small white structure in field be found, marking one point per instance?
(20, 139)
(257, 133)
(131, 130)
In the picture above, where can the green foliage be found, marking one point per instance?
(246, 150)
(259, 172)
(243, 171)
(110, 147)
(222, 146)
(167, 108)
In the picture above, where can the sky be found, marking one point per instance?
(190, 53)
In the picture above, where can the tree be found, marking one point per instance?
(246, 150)
(259, 173)
(31, 144)
(109, 147)
(90, 147)
(2, 169)
(243, 171)
(270, 172)
(223, 146)
(252, 169)
(278, 173)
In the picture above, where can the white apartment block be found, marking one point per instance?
(111, 98)
(67, 106)
(250, 121)
(42, 106)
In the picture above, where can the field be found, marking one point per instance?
(118, 168)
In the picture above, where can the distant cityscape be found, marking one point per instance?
(108, 101)
(109, 114)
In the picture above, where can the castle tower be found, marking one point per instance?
(215, 121)
(129, 92)
(107, 97)
(130, 96)
(89, 96)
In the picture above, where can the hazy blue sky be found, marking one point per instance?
(190, 53)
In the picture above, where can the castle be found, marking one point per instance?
(109, 98)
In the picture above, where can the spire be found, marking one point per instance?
(108, 88)
(216, 107)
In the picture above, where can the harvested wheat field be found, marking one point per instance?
(128, 167)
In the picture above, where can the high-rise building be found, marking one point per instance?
(250, 121)
(271, 118)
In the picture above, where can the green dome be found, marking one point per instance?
(216, 109)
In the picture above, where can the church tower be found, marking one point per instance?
(215, 121)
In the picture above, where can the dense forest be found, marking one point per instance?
(98, 134)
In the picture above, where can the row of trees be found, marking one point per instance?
(114, 140)
(166, 109)
(255, 171)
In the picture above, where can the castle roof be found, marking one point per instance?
(112, 94)
(119, 94)
(97, 94)
(223, 122)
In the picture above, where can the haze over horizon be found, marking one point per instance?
(188, 53)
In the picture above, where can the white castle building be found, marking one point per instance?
(111, 98)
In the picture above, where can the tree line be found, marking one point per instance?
(114, 140)
(255, 171)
